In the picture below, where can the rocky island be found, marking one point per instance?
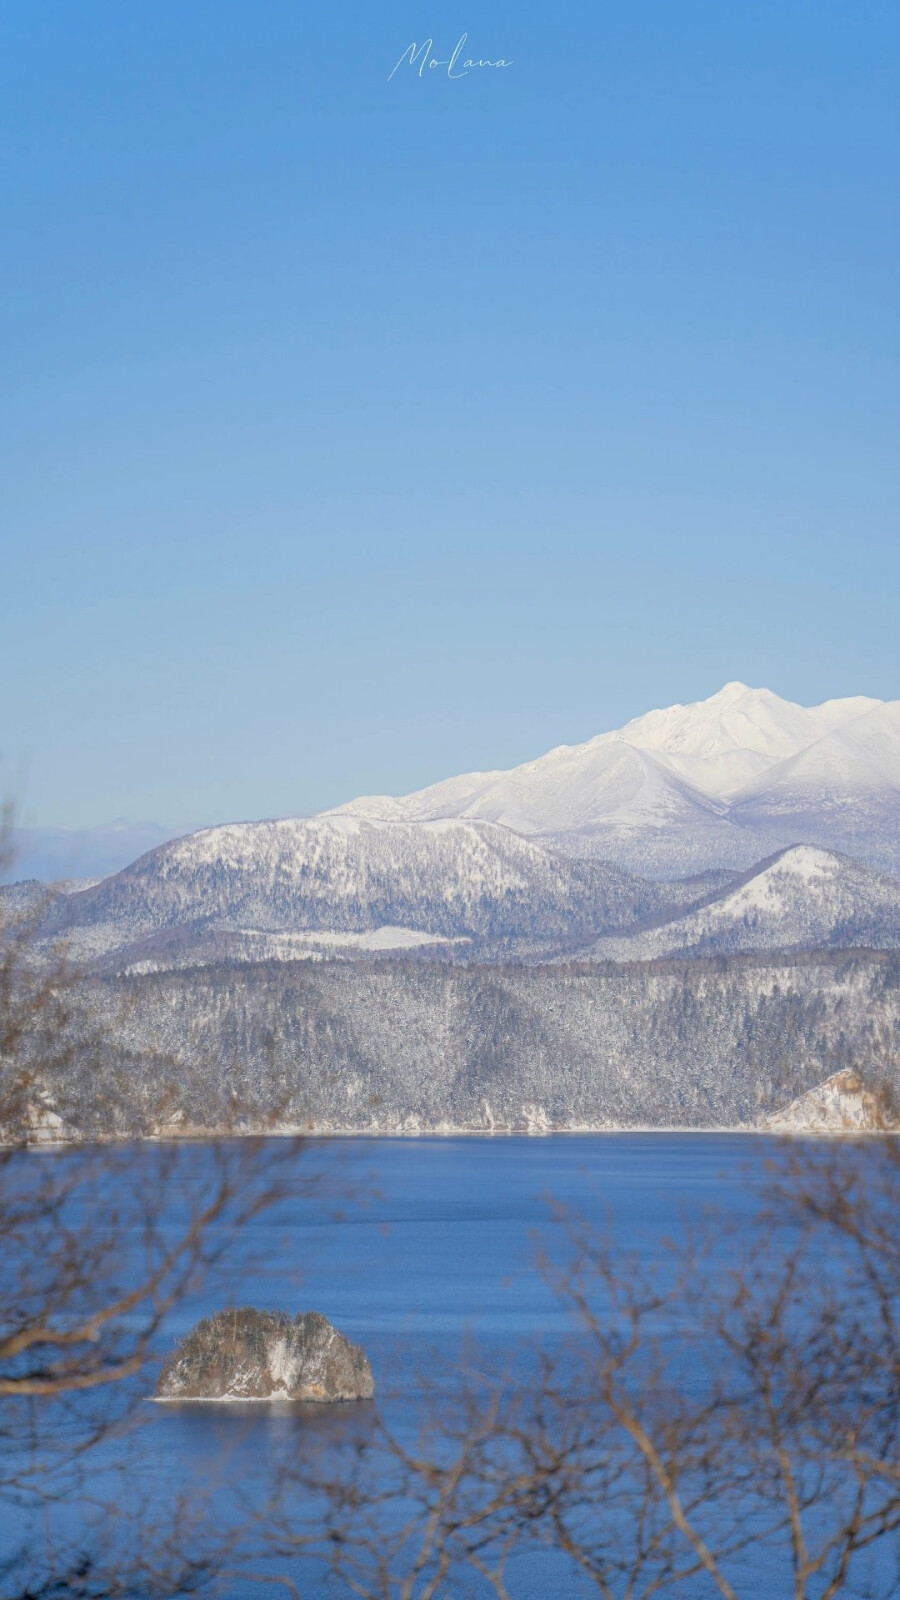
(266, 1355)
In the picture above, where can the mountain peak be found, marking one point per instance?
(734, 690)
(668, 786)
(731, 734)
(722, 744)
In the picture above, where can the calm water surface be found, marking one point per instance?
(438, 1241)
(445, 1238)
(443, 1246)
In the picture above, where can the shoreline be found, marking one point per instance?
(202, 1135)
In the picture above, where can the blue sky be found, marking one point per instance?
(358, 432)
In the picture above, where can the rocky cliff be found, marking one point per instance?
(264, 1355)
(842, 1104)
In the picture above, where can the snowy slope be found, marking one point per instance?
(722, 744)
(341, 876)
(859, 756)
(722, 782)
(806, 898)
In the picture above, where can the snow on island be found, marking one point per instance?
(266, 1355)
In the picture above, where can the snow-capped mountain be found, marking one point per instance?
(804, 899)
(541, 862)
(343, 884)
(842, 791)
(719, 783)
(349, 888)
(722, 745)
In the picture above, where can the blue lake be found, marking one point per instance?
(442, 1247)
(444, 1238)
(435, 1242)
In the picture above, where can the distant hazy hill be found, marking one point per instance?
(51, 854)
(723, 782)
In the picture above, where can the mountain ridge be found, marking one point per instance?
(720, 782)
(348, 888)
(801, 898)
(326, 877)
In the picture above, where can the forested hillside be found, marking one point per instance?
(396, 1046)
